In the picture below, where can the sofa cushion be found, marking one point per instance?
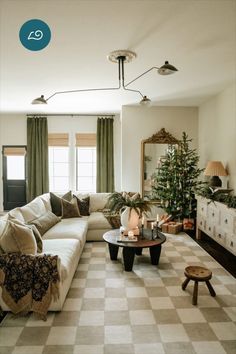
(18, 238)
(33, 210)
(70, 209)
(67, 251)
(69, 228)
(45, 222)
(97, 221)
(98, 201)
(83, 205)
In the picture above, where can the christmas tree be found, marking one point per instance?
(175, 181)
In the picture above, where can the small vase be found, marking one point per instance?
(129, 218)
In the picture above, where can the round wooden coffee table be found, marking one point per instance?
(130, 249)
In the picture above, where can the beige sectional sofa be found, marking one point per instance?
(66, 238)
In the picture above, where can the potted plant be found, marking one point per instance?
(130, 206)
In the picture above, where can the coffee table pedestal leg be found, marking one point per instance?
(128, 256)
(155, 253)
(138, 251)
(113, 250)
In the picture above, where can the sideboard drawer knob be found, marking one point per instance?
(231, 244)
(226, 221)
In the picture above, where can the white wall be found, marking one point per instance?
(13, 132)
(217, 132)
(138, 123)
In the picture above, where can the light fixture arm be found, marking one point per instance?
(121, 60)
(145, 72)
(90, 89)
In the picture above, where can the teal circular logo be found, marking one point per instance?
(35, 35)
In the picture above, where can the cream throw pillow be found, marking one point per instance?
(18, 238)
(36, 233)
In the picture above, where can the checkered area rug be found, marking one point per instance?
(110, 311)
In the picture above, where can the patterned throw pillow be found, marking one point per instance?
(83, 205)
(70, 209)
(56, 202)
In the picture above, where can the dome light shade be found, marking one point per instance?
(167, 69)
(39, 100)
(145, 101)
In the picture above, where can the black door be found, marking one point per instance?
(14, 176)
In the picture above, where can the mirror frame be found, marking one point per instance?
(161, 137)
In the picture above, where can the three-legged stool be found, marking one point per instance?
(198, 274)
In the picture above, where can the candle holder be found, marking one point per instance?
(152, 235)
(142, 235)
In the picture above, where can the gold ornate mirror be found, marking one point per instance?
(152, 149)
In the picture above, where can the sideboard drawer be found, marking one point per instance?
(227, 221)
(231, 244)
(213, 214)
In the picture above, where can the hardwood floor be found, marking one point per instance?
(219, 253)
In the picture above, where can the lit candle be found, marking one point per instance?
(152, 225)
(158, 219)
(143, 220)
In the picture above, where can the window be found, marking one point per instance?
(86, 162)
(58, 168)
(58, 147)
(86, 169)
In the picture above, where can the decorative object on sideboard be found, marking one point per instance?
(120, 57)
(215, 169)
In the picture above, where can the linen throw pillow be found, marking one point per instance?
(55, 201)
(83, 205)
(36, 233)
(18, 238)
(45, 222)
(70, 209)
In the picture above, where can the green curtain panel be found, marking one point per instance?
(37, 157)
(105, 155)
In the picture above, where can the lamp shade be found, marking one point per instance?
(215, 168)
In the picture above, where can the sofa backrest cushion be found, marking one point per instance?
(33, 210)
(98, 201)
(46, 200)
(45, 222)
(56, 202)
(18, 238)
(17, 214)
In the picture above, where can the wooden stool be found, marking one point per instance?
(197, 274)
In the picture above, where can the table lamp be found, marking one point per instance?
(215, 169)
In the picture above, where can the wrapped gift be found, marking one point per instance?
(174, 227)
(164, 227)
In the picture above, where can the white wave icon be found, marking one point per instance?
(35, 35)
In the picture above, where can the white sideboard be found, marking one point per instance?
(217, 221)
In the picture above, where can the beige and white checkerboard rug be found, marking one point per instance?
(110, 311)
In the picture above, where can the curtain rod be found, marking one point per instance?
(70, 115)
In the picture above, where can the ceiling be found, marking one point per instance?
(198, 37)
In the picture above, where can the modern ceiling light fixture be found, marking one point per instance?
(120, 57)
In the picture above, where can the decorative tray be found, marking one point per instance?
(126, 239)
